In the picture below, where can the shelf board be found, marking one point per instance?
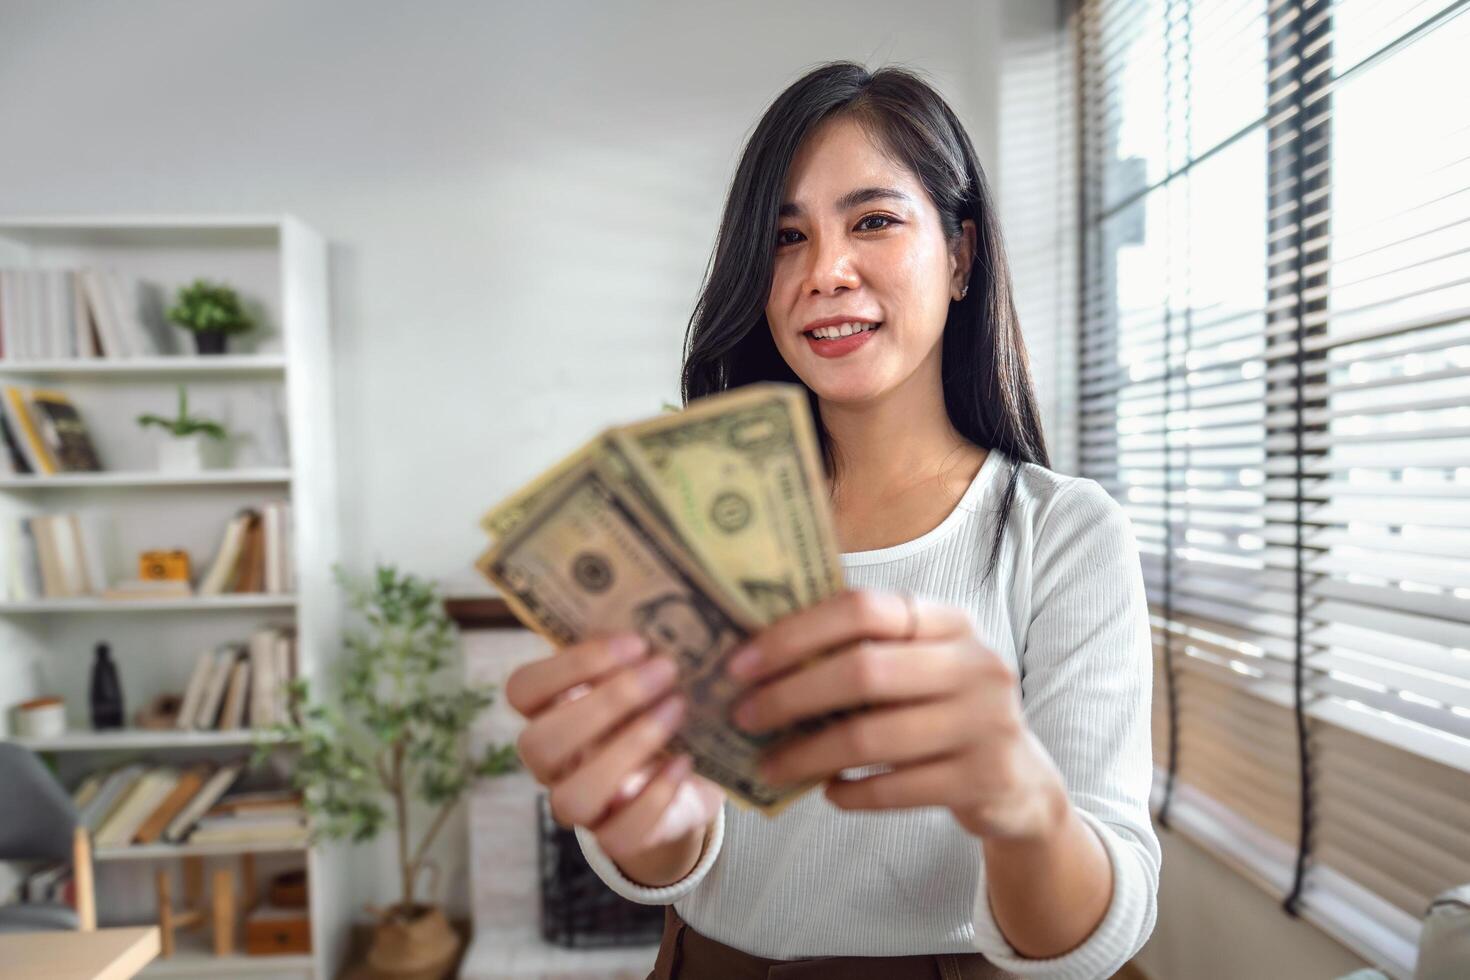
(203, 963)
(127, 739)
(149, 367)
(195, 604)
(240, 477)
(149, 852)
(187, 962)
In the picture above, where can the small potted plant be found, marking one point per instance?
(210, 311)
(184, 450)
(391, 750)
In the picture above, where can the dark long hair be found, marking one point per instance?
(987, 384)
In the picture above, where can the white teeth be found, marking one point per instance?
(841, 330)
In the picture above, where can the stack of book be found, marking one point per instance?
(271, 816)
(254, 554)
(52, 556)
(141, 803)
(42, 432)
(242, 685)
(48, 314)
(52, 884)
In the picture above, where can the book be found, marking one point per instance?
(87, 789)
(123, 823)
(64, 432)
(214, 787)
(84, 329)
(15, 461)
(263, 661)
(10, 342)
(274, 565)
(27, 436)
(221, 571)
(63, 531)
(25, 564)
(250, 574)
(53, 583)
(276, 828)
(194, 692)
(91, 539)
(258, 801)
(285, 671)
(15, 559)
(189, 783)
(137, 588)
(214, 690)
(117, 783)
(232, 715)
(104, 317)
(127, 304)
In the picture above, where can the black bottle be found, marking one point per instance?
(107, 698)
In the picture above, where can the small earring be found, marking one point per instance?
(964, 290)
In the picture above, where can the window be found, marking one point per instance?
(1274, 380)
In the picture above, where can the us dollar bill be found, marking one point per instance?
(630, 480)
(738, 477)
(590, 558)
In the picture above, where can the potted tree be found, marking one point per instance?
(184, 450)
(211, 312)
(394, 740)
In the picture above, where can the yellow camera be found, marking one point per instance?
(164, 566)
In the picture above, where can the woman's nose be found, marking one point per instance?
(831, 265)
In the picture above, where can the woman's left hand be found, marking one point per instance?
(944, 711)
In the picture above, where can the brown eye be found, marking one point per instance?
(876, 217)
(781, 240)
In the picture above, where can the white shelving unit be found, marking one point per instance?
(275, 389)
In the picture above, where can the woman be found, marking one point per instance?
(987, 815)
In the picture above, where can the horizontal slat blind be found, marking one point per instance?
(1274, 381)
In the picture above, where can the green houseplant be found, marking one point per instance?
(211, 311)
(184, 451)
(395, 737)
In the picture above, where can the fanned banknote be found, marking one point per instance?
(588, 560)
(708, 524)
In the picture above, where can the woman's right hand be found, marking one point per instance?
(600, 715)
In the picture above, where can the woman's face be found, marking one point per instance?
(859, 239)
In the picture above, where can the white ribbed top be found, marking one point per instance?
(1066, 606)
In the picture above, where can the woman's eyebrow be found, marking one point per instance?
(851, 199)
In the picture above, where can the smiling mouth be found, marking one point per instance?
(838, 331)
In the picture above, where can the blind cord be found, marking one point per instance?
(1302, 88)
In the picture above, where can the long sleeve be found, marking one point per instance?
(608, 870)
(1086, 683)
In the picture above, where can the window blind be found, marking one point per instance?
(1274, 381)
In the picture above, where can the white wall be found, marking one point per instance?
(521, 197)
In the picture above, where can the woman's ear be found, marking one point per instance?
(963, 258)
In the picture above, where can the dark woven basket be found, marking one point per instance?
(578, 910)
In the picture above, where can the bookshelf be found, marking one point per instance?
(274, 389)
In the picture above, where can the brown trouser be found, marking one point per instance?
(684, 954)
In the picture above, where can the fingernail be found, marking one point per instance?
(669, 710)
(656, 674)
(627, 647)
(744, 663)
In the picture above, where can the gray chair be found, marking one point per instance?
(38, 822)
